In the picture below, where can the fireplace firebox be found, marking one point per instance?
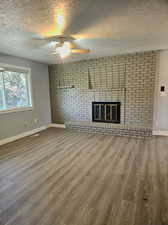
(107, 112)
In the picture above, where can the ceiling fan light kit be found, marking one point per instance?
(64, 50)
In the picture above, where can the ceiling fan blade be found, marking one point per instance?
(48, 39)
(35, 43)
(73, 45)
(41, 40)
(75, 48)
(79, 51)
(52, 38)
(58, 38)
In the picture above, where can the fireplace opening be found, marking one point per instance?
(108, 112)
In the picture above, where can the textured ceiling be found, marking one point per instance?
(107, 27)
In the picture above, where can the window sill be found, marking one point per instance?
(21, 109)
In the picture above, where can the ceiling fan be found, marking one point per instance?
(65, 45)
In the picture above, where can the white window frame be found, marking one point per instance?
(29, 83)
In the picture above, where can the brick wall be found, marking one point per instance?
(126, 78)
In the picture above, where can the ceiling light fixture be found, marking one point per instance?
(64, 50)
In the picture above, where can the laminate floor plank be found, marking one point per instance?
(63, 177)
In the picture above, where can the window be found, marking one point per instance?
(15, 91)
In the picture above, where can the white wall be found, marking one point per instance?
(12, 124)
(160, 122)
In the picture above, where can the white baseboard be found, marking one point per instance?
(24, 134)
(57, 125)
(28, 133)
(160, 133)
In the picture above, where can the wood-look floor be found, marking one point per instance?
(69, 178)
